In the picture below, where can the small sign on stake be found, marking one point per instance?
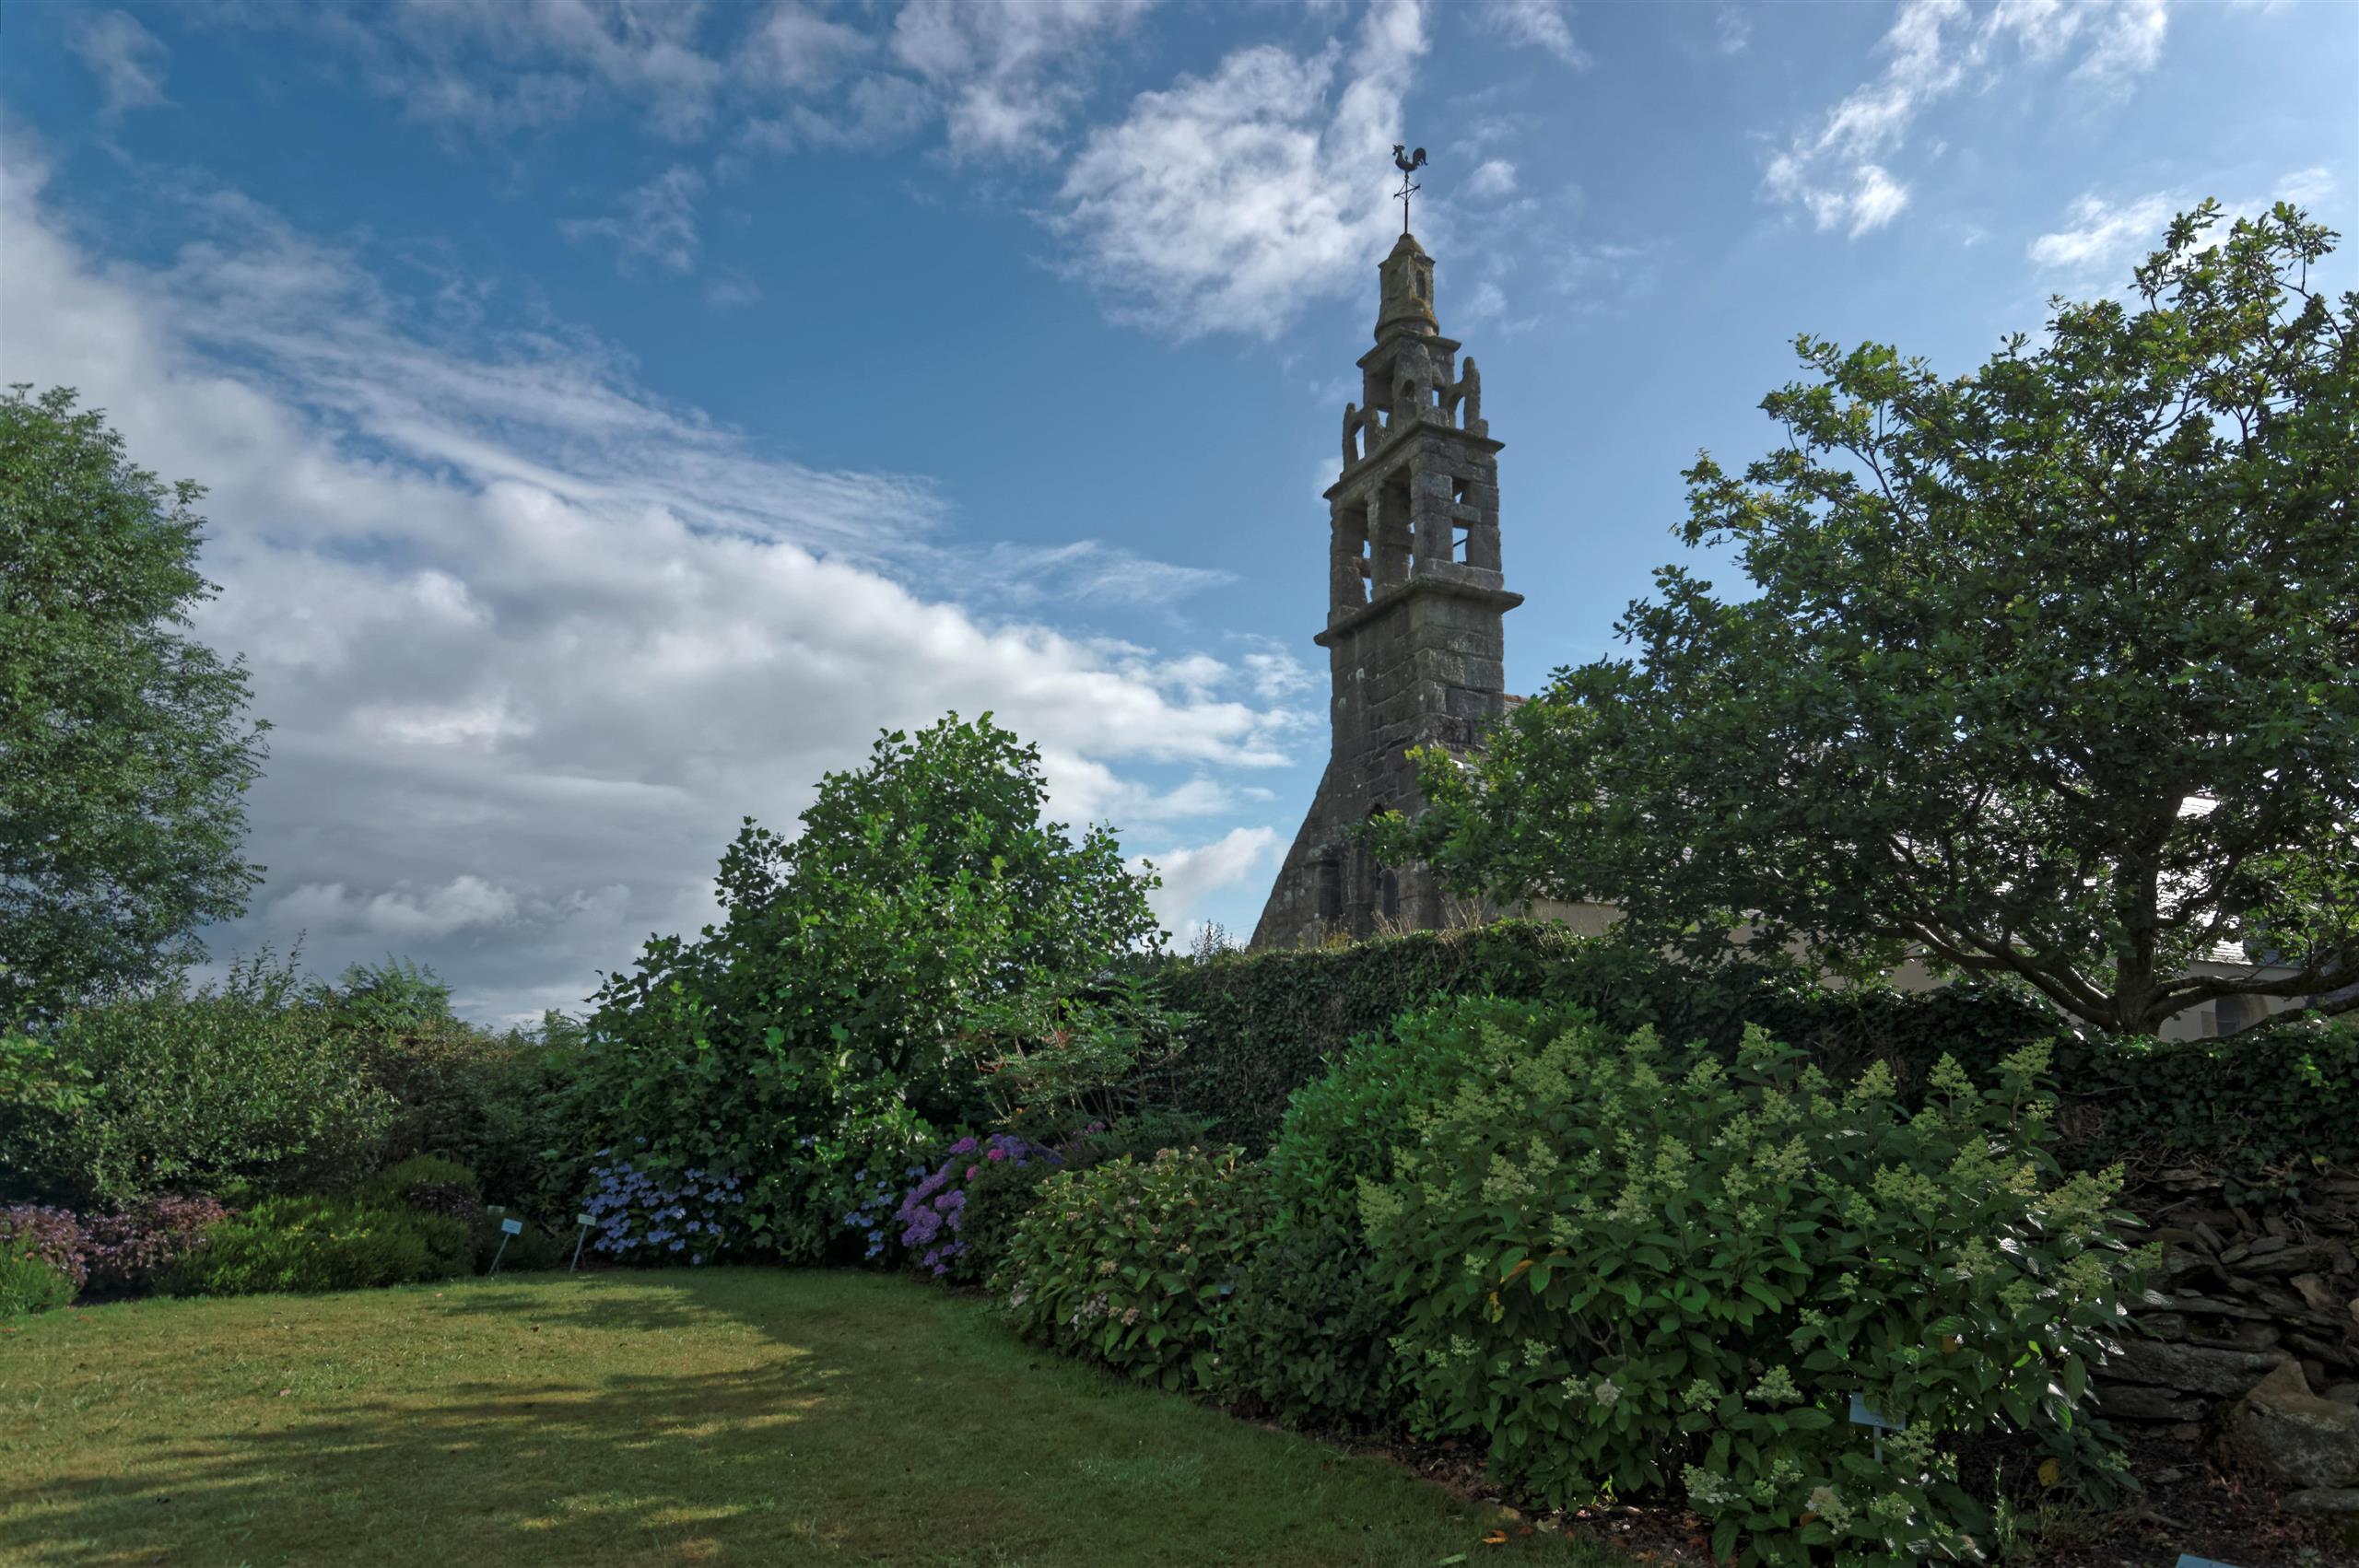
(1864, 1415)
(2184, 1561)
(586, 1222)
(507, 1228)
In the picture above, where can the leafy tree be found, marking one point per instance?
(124, 747)
(2053, 671)
(393, 997)
(828, 1016)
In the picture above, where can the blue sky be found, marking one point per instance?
(615, 412)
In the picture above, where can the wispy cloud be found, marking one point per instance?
(2101, 236)
(128, 60)
(656, 223)
(1840, 172)
(1540, 24)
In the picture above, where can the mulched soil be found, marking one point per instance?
(2208, 1513)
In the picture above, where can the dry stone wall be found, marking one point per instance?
(2247, 1345)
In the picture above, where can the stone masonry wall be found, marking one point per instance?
(2248, 1345)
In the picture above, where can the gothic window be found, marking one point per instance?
(1327, 880)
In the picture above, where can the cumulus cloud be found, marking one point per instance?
(1227, 202)
(1839, 173)
(532, 637)
(128, 59)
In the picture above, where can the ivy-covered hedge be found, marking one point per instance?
(2263, 1105)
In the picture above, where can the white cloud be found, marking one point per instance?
(1491, 177)
(2103, 236)
(1023, 576)
(2306, 187)
(1228, 202)
(1539, 23)
(128, 59)
(499, 64)
(1001, 75)
(1840, 174)
(1276, 672)
(1732, 30)
(1008, 66)
(398, 914)
(527, 633)
(657, 223)
(1193, 874)
(2101, 233)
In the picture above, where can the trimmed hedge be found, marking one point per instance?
(2266, 1106)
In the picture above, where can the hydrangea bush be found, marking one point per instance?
(1634, 1273)
(1308, 1341)
(645, 1216)
(932, 1214)
(1135, 1265)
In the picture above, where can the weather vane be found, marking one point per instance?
(1408, 163)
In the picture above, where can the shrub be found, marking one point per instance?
(1142, 1136)
(2266, 1106)
(208, 1091)
(932, 1214)
(821, 1202)
(320, 1244)
(1134, 1265)
(641, 1215)
(532, 1251)
(1628, 1270)
(1308, 1340)
(505, 1106)
(128, 1249)
(53, 1235)
(1273, 1021)
(395, 1185)
(30, 1283)
(997, 1200)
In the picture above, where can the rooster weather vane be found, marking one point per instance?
(1408, 163)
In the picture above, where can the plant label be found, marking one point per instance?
(2187, 1562)
(585, 1220)
(513, 1227)
(1863, 1415)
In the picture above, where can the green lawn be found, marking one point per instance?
(714, 1416)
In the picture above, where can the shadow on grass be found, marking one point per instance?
(721, 1416)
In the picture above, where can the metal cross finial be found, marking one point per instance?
(1408, 164)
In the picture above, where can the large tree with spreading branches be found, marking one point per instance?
(2051, 671)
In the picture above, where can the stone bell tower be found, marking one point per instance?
(1413, 638)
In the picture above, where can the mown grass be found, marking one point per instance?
(707, 1416)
